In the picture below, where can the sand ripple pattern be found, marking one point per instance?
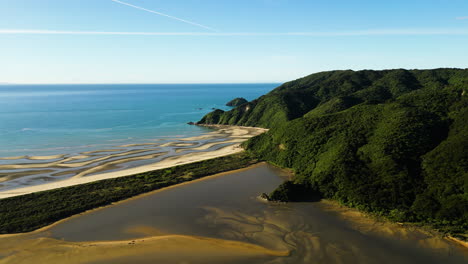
(26, 171)
(291, 228)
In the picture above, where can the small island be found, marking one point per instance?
(237, 102)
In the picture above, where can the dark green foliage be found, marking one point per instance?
(291, 192)
(29, 212)
(391, 142)
(237, 102)
(213, 117)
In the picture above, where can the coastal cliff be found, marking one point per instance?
(390, 142)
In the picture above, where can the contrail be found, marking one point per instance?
(161, 14)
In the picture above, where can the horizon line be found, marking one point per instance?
(233, 82)
(351, 33)
(148, 83)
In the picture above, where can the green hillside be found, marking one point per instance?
(237, 102)
(392, 142)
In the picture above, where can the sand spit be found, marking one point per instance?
(198, 148)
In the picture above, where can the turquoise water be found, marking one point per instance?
(40, 120)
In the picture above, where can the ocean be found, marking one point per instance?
(56, 132)
(40, 120)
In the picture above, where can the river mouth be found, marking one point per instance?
(221, 220)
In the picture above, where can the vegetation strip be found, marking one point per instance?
(32, 211)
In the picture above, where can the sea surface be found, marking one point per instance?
(41, 120)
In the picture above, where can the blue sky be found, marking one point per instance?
(216, 41)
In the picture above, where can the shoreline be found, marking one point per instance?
(365, 223)
(234, 134)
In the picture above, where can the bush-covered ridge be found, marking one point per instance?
(237, 102)
(392, 142)
(338, 90)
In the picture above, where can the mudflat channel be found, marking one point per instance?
(221, 220)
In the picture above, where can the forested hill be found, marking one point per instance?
(393, 142)
(335, 91)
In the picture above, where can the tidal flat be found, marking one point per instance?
(29, 174)
(220, 219)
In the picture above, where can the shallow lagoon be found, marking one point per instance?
(196, 222)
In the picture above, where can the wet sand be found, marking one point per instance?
(157, 249)
(23, 175)
(221, 220)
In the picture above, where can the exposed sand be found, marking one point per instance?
(231, 134)
(366, 224)
(159, 249)
(46, 157)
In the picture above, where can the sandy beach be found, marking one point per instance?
(107, 164)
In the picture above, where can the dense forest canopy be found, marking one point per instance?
(393, 142)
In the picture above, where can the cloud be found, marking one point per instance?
(375, 32)
(462, 18)
(165, 15)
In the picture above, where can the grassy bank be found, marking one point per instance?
(33, 211)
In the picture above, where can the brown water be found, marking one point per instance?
(227, 208)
